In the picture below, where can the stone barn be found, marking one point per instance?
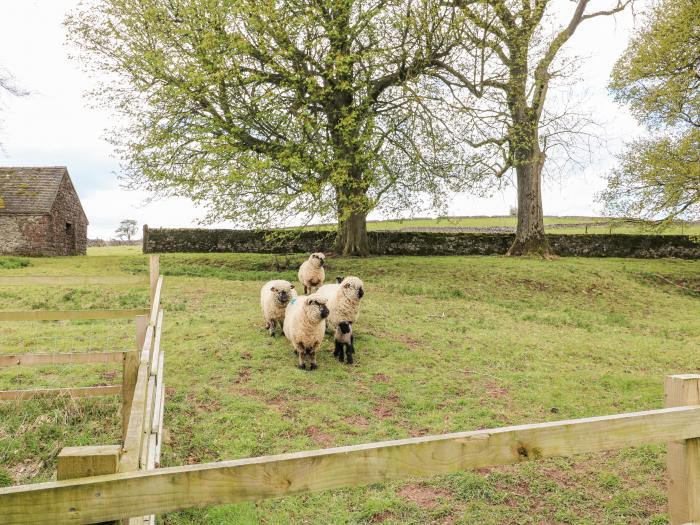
(40, 213)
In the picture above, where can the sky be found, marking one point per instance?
(56, 126)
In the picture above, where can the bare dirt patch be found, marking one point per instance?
(380, 378)
(387, 406)
(358, 421)
(243, 376)
(424, 497)
(27, 469)
(318, 436)
(205, 406)
(382, 517)
(494, 390)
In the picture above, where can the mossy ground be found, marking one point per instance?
(443, 344)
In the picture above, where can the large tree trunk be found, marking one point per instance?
(352, 235)
(529, 235)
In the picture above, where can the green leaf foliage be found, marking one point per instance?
(658, 77)
(266, 110)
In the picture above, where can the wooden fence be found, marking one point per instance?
(142, 388)
(147, 492)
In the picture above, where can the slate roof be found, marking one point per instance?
(29, 190)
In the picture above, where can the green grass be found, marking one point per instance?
(591, 225)
(443, 344)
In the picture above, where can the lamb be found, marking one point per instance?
(274, 298)
(305, 326)
(344, 341)
(311, 272)
(343, 299)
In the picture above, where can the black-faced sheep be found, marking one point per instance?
(344, 341)
(305, 326)
(274, 298)
(311, 273)
(343, 299)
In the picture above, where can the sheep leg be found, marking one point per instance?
(312, 358)
(349, 350)
(339, 351)
(306, 290)
(271, 326)
(300, 354)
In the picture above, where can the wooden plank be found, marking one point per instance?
(151, 455)
(154, 359)
(141, 323)
(87, 391)
(129, 377)
(134, 430)
(62, 358)
(159, 440)
(147, 420)
(153, 274)
(68, 280)
(80, 462)
(158, 403)
(69, 315)
(683, 457)
(175, 488)
(155, 305)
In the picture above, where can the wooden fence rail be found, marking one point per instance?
(62, 358)
(70, 315)
(147, 492)
(69, 280)
(85, 391)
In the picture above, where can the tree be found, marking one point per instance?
(126, 228)
(507, 65)
(266, 110)
(658, 75)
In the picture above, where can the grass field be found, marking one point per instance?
(568, 225)
(443, 344)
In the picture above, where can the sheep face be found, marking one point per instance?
(315, 308)
(344, 327)
(352, 288)
(318, 259)
(282, 292)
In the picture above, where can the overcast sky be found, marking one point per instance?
(55, 126)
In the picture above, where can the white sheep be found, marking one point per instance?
(343, 299)
(305, 326)
(274, 298)
(311, 273)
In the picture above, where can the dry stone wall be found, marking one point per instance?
(165, 240)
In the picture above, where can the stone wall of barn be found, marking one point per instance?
(61, 232)
(68, 230)
(23, 234)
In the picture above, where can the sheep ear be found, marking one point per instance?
(339, 279)
(292, 287)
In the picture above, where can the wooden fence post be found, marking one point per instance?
(83, 462)
(683, 457)
(131, 370)
(154, 273)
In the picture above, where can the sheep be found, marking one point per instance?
(274, 298)
(311, 272)
(344, 341)
(343, 299)
(305, 326)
